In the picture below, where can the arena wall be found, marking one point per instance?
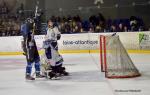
(134, 42)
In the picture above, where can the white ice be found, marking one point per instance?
(85, 78)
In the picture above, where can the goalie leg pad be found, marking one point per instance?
(48, 53)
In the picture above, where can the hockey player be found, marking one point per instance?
(51, 51)
(30, 49)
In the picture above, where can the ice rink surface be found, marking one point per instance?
(85, 78)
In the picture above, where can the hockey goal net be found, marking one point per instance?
(114, 59)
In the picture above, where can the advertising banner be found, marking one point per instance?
(144, 41)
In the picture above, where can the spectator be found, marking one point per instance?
(16, 29)
(8, 28)
(102, 21)
(113, 28)
(93, 20)
(85, 25)
(98, 28)
(125, 29)
(133, 23)
(67, 28)
(4, 10)
(61, 27)
(91, 29)
(120, 27)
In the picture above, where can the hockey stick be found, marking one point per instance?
(35, 16)
(33, 30)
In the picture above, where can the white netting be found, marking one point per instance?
(118, 62)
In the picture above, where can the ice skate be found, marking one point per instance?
(28, 77)
(54, 76)
(38, 75)
(63, 72)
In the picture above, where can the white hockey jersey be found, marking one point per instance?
(52, 34)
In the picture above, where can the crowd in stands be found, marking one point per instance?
(9, 27)
(10, 23)
(97, 24)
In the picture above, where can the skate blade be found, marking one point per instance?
(55, 78)
(28, 80)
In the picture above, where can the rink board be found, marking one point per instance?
(134, 42)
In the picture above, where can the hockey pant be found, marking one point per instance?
(32, 56)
